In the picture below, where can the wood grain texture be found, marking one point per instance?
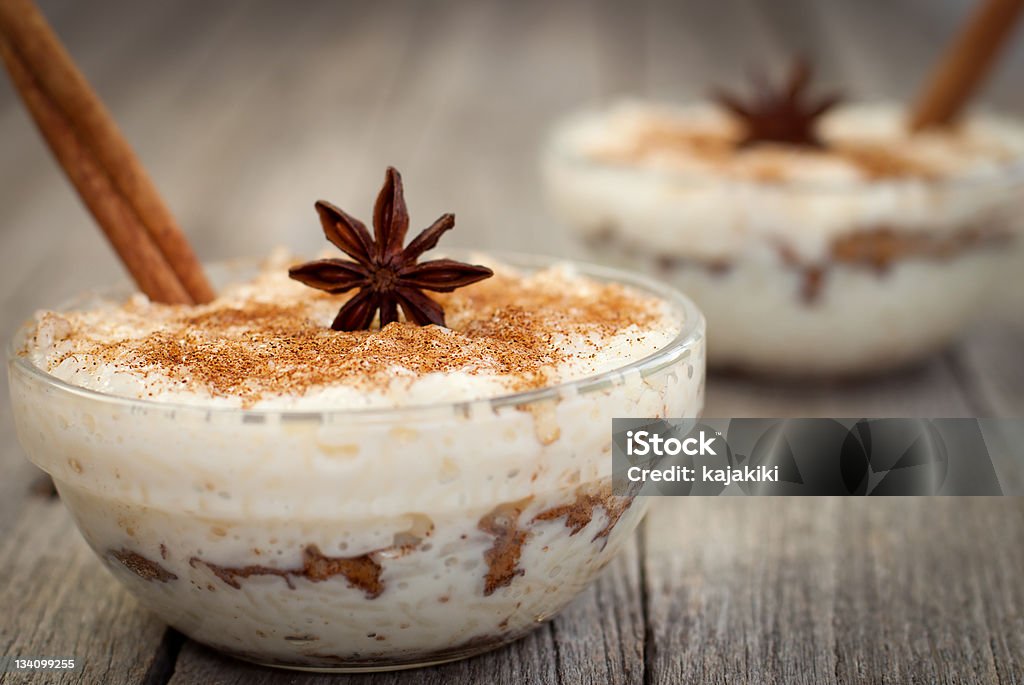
(762, 590)
(247, 115)
(58, 603)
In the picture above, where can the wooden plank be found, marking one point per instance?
(479, 152)
(59, 602)
(621, 30)
(756, 590)
(990, 365)
(989, 368)
(600, 637)
(908, 36)
(694, 46)
(733, 590)
(931, 389)
(270, 143)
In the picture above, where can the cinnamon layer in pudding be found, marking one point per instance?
(876, 250)
(268, 343)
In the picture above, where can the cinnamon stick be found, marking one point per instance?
(137, 251)
(56, 75)
(965, 64)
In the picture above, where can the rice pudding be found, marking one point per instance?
(371, 499)
(863, 252)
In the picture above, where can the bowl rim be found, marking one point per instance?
(691, 332)
(559, 148)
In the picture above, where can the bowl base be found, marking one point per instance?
(356, 665)
(365, 669)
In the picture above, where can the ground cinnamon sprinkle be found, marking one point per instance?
(700, 141)
(664, 138)
(272, 336)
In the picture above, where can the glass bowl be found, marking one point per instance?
(355, 540)
(816, 276)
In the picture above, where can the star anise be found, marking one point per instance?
(785, 114)
(385, 272)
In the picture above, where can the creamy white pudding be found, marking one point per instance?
(857, 256)
(267, 344)
(303, 497)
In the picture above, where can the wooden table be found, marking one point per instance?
(246, 112)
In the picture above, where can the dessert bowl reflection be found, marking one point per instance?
(858, 256)
(348, 539)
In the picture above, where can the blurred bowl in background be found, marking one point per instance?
(865, 255)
